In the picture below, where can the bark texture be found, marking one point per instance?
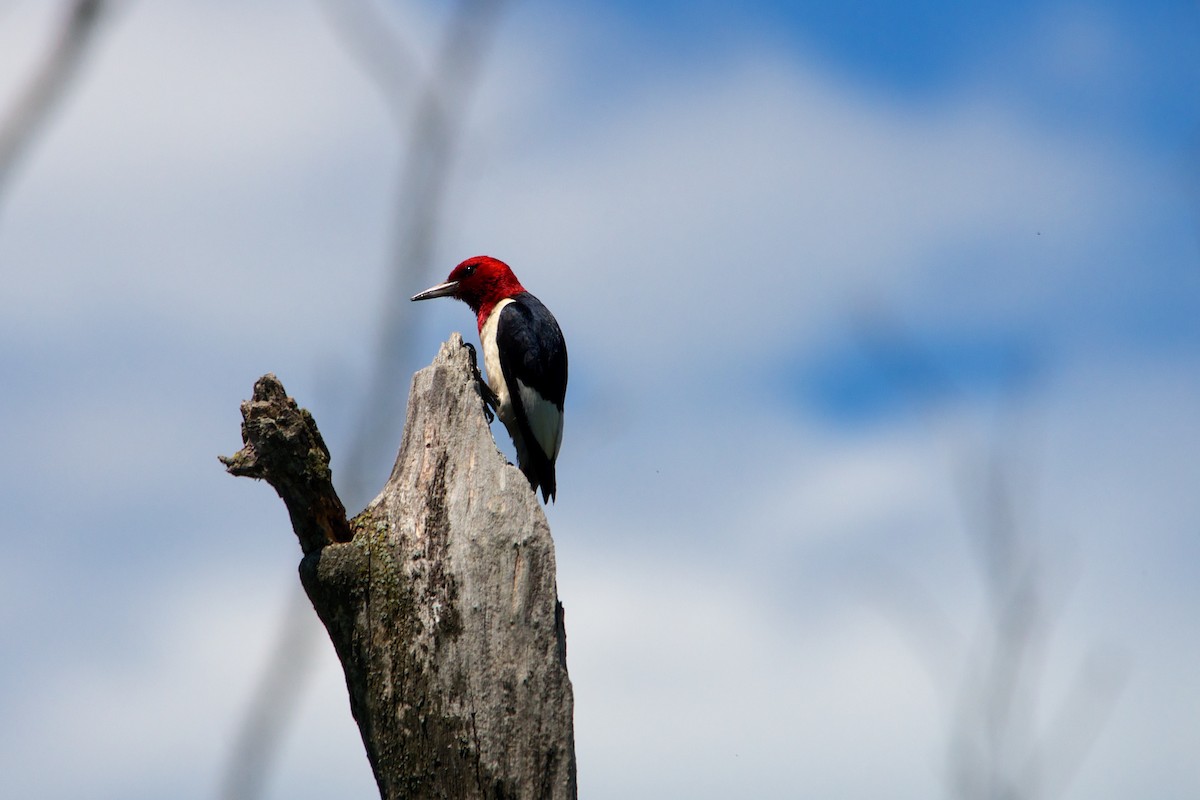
(440, 597)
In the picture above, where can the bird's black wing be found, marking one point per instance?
(533, 356)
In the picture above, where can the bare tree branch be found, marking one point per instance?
(284, 448)
(48, 85)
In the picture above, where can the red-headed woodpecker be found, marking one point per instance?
(526, 360)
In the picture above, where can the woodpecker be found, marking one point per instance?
(525, 357)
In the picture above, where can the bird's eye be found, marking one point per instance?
(469, 270)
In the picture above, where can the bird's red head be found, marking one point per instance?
(480, 282)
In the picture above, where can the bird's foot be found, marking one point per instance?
(490, 400)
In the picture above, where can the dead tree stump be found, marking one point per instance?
(440, 597)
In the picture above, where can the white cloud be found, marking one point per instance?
(151, 709)
(752, 200)
(686, 685)
(755, 203)
(211, 166)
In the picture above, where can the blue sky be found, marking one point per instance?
(815, 266)
(923, 51)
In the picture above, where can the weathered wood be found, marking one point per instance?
(284, 448)
(443, 605)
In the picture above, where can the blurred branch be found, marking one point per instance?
(389, 61)
(1073, 731)
(996, 750)
(430, 108)
(434, 126)
(48, 85)
(273, 705)
(992, 739)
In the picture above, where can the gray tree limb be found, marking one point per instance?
(440, 597)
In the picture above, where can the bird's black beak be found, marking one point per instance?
(446, 289)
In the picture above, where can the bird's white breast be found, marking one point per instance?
(491, 362)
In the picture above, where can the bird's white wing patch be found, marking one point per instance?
(545, 421)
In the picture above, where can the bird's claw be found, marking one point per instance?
(490, 399)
